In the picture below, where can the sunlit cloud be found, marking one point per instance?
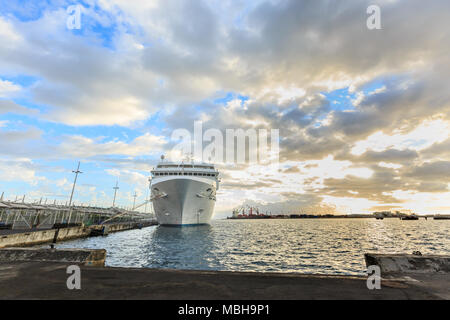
(363, 117)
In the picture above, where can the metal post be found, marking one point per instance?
(134, 202)
(73, 189)
(115, 193)
(148, 196)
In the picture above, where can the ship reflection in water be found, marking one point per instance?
(327, 246)
(190, 247)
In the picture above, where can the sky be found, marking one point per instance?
(363, 115)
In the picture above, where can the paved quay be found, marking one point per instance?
(47, 280)
(41, 273)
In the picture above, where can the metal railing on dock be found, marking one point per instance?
(27, 216)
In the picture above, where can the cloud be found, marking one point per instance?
(277, 48)
(376, 188)
(20, 143)
(31, 142)
(293, 169)
(389, 156)
(7, 106)
(295, 203)
(438, 171)
(19, 170)
(280, 65)
(438, 150)
(7, 88)
(10, 37)
(133, 178)
(83, 147)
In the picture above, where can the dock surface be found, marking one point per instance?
(47, 280)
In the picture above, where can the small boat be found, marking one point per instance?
(410, 217)
(441, 217)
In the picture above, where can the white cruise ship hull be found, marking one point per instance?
(183, 201)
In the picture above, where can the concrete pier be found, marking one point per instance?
(47, 280)
(23, 238)
(431, 272)
(87, 257)
(393, 264)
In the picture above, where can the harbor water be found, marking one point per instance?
(321, 246)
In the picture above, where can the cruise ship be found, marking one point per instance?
(184, 193)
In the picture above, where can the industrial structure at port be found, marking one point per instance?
(249, 212)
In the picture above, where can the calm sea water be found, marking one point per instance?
(328, 246)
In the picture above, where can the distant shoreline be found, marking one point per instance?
(329, 217)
